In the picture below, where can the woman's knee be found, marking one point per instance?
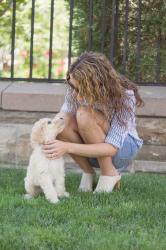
(87, 117)
(84, 116)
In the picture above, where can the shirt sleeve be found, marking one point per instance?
(68, 106)
(117, 132)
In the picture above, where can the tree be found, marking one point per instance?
(152, 62)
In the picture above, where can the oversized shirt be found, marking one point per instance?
(117, 132)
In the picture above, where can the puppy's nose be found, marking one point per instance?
(49, 122)
(61, 118)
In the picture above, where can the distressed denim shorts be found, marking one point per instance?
(124, 156)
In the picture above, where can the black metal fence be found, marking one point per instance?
(116, 28)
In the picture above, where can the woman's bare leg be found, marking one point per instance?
(93, 127)
(70, 134)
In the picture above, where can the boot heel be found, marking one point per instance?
(118, 185)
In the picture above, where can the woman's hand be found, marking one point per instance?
(55, 149)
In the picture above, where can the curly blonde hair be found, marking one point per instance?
(100, 83)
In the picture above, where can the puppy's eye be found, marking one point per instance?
(49, 122)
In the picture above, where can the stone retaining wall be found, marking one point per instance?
(15, 127)
(15, 149)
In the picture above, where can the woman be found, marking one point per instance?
(99, 112)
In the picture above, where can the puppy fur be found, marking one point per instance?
(44, 174)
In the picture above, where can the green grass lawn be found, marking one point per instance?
(132, 218)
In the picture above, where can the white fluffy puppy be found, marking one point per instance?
(44, 174)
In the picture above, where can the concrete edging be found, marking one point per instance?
(33, 97)
(49, 98)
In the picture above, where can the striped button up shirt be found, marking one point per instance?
(117, 132)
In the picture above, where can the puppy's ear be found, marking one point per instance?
(37, 134)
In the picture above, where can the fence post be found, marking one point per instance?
(13, 38)
(138, 40)
(90, 25)
(70, 31)
(32, 36)
(114, 29)
(125, 46)
(51, 38)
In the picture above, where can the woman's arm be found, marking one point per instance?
(56, 149)
(92, 150)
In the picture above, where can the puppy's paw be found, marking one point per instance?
(54, 201)
(28, 196)
(66, 194)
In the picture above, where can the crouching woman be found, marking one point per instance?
(99, 112)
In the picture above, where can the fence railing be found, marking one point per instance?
(132, 37)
